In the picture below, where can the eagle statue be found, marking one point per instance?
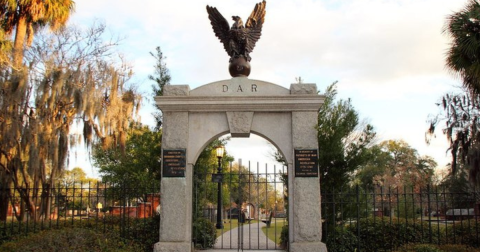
(238, 40)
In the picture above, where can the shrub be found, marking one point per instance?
(70, 239)
(284, 237)
(436, 248)
(383, 233)
(144, 231)
(426, 248)
(419, 248)
(342, 240)
(464, 232)
(204, 233)
(457, 248)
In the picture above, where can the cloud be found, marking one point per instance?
(362, 39)
(385, 53)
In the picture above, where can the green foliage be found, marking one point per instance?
(426, 248)
(77, 177)
(32, 17)
(138, 164)
(162, 75)
(460, 115)
(342, 140)
(342, 240)
(70, 239)
(143, 231)
(436, 248)
(353, 197)
(375, 167)
(161, 78)
(405, 207)
(284, 234)
(457, 248)
(237, 180)
(6, 46)
(419, 248)
(459, 118)
(462, 57)
(395, 164)
(207, 163)
(460, 111)
(140, 234)
(464, 232)
(385, 234)
(458, 185)
(380, 234)
(204, 233)
(73, 76)
(77, 174)
(284, 237)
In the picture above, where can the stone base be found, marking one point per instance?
(308, 247)
(172, 247)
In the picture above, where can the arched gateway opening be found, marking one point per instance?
(251, 198)
(239, 106)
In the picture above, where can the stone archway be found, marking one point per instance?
(239, 106)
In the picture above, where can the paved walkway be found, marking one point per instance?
(253, 239)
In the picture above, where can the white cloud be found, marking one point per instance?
(387, 54)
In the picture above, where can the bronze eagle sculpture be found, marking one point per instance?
(240, 39)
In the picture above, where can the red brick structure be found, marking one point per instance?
(142, 210)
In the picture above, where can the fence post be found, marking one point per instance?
(358, 216)
(429, 211)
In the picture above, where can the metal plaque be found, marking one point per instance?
(174, 163)
(306, 163)
(217, 178)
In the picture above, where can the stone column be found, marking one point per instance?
(175, 214)
(305, 218)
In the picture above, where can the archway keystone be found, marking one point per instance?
(240, 106)
(240, 123)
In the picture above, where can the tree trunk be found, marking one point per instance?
(21, 215)
(5, 192)
(21, 32)
(46, 201)
(26, 204)
(4, 202)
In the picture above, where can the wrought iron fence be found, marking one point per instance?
(254, 206)
(354, 219)
(131, 212)
(385, 219)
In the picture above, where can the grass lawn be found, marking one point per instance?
(275, 229)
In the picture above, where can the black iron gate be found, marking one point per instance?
(253, 207)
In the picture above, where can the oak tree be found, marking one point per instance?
(76, 81)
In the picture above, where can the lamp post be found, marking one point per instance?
(219, 180)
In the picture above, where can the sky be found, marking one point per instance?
(388, 56)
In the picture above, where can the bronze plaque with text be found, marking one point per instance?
(174, 164)
(306, 163)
